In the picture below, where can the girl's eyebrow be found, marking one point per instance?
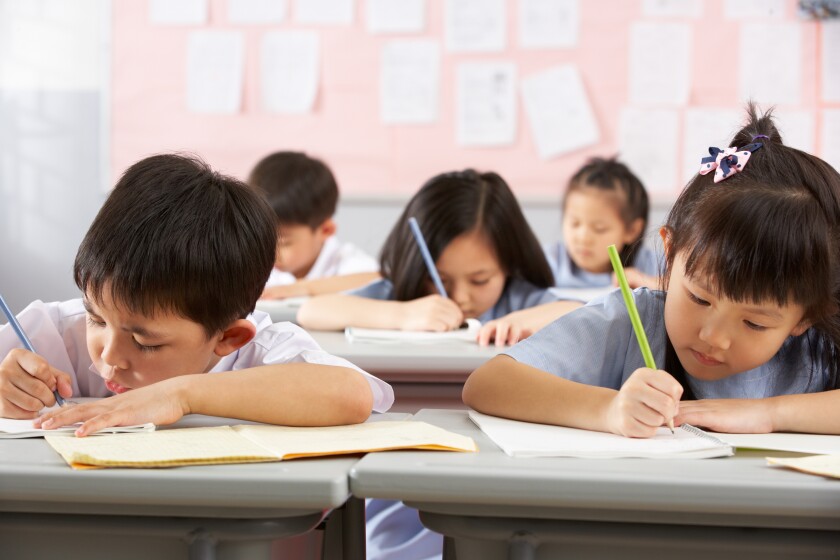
(773, 314)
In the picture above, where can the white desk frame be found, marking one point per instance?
(491, 506)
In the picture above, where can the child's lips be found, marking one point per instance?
(115, 387)
(704, 359)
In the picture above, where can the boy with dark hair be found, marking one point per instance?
(310, 260)
(170, 270)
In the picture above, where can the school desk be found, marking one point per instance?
(492, 506)
(423, 375)
(281, 310)
(50, 510)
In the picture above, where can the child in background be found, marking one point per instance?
(170, 269)
(747, 332)
(310, 259)
(488, 258)
(605, 204)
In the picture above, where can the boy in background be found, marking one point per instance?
(310, 259)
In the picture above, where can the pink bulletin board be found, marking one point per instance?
(369, 158)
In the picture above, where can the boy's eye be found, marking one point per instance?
(145, 347)
(95, 322)
(697, 300)
(754, 326)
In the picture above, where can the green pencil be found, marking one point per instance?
(644, 346)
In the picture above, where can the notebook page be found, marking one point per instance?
(799, 443)
(290, 443)
(823, 465)
(524, 439)
(165, 448)
(468, 334)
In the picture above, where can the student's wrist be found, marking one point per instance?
(184, 392)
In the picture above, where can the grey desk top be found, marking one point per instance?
(34, 478)
(446, 362)
(739, 490)
(281, 309)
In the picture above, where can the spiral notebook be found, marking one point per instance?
(524, 439)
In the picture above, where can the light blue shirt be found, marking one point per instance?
(595, 345)
(568, 275)
(518, 294)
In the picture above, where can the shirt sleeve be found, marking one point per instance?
(595, 344)
(649, 261)
(353, 260)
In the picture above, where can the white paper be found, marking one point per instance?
(475, 25)
(660, 63)
(547, 24)
(830, 61)
(486, 103)
(256, 11)
(771, 59)
(289, 70)
(409, 81)
(215, 71)
(797, 129)
(672, 8)
(468, 334)
(831, 137)
(178, 12)
(647, 143)
(584, 295)
(704, 128)
(558, 110)
(324, 12)
(753, 9)
(526, 439)
(396, 16)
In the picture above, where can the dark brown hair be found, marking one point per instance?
(768, 233)
(300, 189)
(450, 205)
(609, 175)
(175, 236)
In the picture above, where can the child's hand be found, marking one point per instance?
(646, 401)
(27, 382)
(285, 291)
(638, 279)
(510, 329)
(736, 416)
(159, 403)
(430, 313)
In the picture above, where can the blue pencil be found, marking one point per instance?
(25, 340)
(427, 257)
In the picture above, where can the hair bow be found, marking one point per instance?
(727, 162)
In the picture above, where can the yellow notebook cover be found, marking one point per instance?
(822, 465)
(250, 444)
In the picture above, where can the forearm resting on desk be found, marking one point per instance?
(320, 286)
(334, 312)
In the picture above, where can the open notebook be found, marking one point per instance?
(822, 465)
(251, 444)
(17, 429)
(469, 333)
(524, 439)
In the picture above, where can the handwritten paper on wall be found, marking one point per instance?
(831, 61)
(753, 9)
(388, 16)
(214, 72)
(660, 63)
(324, 12)
(647, 143)
(559, 113)
(770, 69)
(672, 8)
(289, 71)
(797, 129)
(256, 11)
(475, 25)
(546, 24)
(831, 137)
(704, 128)
(183, 12)
(409, 81)
(486, 103)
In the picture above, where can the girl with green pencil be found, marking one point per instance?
(747, 329)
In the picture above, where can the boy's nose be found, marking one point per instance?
(112, 357)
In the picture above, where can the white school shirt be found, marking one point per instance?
(335, 259)
(568, 275)
(595, 345)
(57, 332)
(518, 294)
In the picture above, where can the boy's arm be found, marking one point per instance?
(292, 394)
(814, 413)
(337, 311)
(320, 286)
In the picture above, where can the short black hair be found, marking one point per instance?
(450, 205)
(299, 188)
(176, 236)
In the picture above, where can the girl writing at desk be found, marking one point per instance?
(748, 329)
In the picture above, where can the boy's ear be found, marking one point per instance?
(327, 228)
(634, 230)
(235, 336)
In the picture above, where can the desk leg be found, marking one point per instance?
(523, 546)
(202, 545)
(344, 532)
